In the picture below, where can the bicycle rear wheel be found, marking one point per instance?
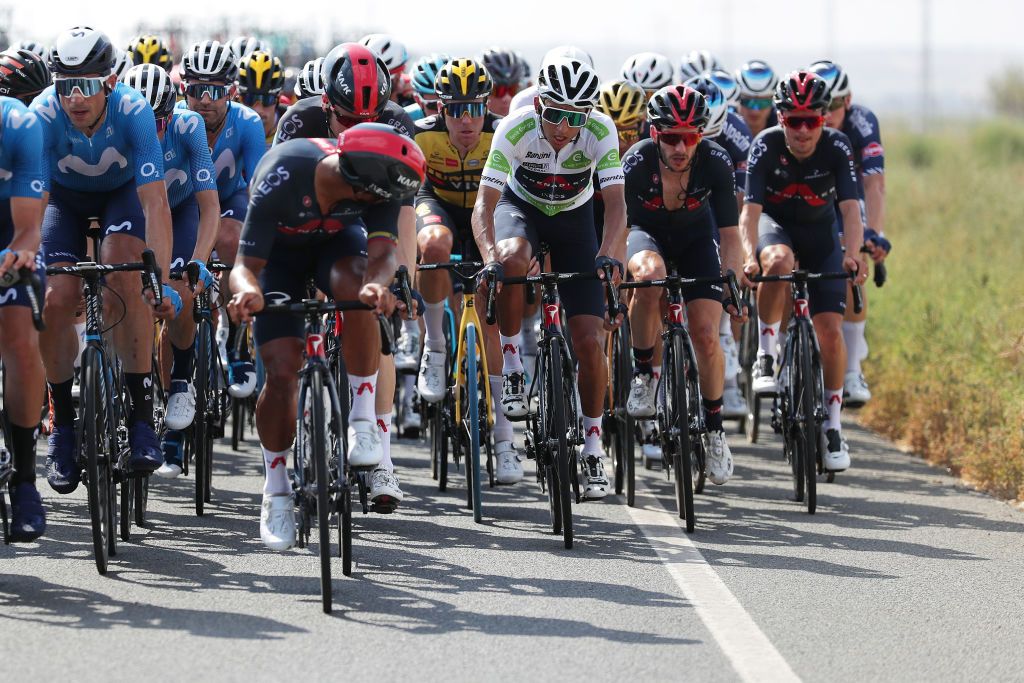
(473, 415)
(679, 428)
(317, 450)
(93, 434)
(558, 433)
(808, 432)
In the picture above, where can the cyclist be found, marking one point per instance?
(424, 72)
(357, 89)
(729, 87)
(100, 157)
(150, 49)
(234, 134)
(23, 75)
(32, 46)
(260, 82)
(626, 104)
(757, 81)
(796, 173)
(508, 71)
(195, 214)
(395, 56)
(860, 125)
(537, 185)
(527, 94)
(329, 210)
(309, 81)
(730, 131)
(650, 70)
(21, 188)
(455, 144)
(680, 194)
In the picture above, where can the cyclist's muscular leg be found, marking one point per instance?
(58, 343)
(587, 341)
(276, 406)
(828, 328)
(704, 317)
(23, 368)
(133, 337)
(361, 345)
(182, 330)
(514, 254)
(644, 308)
(435, 246)
(775, 259)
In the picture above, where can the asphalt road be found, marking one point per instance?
(903, 574)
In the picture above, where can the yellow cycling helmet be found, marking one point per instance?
(150, 49)
(461, 80)
(260, 73)
(624, 102)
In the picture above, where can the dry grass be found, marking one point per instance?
(947, 330)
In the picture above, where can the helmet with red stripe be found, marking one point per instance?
(23, 74)
(677, 106)
(803, 91)
(378, 159)
(356, 80)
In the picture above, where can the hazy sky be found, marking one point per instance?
(878, 41)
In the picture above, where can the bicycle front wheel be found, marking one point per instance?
(679, 428)
(557, 432)
(201, 445)
(317, 450)
(808, 433)
(473, 415)
(92, 441)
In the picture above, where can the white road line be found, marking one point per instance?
(746, 646)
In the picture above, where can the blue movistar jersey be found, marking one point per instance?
(21, 139)
(239, 147)
(188, 167)
(124, 147)
(736, 138)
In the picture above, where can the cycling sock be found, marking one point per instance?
(63, 404)
(384, 425)
(642, 360)
(592, 439)
(23, 447)
(276, 465)
(502, 426)
(411, 328)
(856, 347)
(363, 390)
(713, 414)
(731, 383)
(725, 325)
(768, 340)
(656, 369)
(433, 318)
(181, 365)
(408, 388)
(140, 388)
(529, 331)
(512, 361)
(834, 403)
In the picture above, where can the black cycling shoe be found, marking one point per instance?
(62, 471)
(28, 518)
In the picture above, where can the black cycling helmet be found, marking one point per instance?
(81, 50)
(356, 80)
(504, 66)
(23, 74)
(677, 106)
(462, 80)
(803, 91)
(378, 159)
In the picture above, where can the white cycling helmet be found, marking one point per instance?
(696, 63)
(727, 84)
(756, 79)
(81, 50)
(387, 48)
(32, 46)
(310, 80)
(210, 60)
(649, 70)
(833, 74)
(718, 108)
(244, 46)
(122, 62)
(155, 85)
(569, 81)
(567, 52)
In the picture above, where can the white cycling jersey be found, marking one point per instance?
(552, 181)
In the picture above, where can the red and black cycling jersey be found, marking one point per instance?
(802, 192)
(710, 195)
(307, 119)
(283, 209)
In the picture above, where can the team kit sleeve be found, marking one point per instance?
(26, 143)
(634, 174)
(262, 218)
(609, 166)
(872, 154)
(253, 143)
(756, 171)
(382, 222)
(45, 101)
(200, 161)
(844, 168)
(723, 189)
(499, 160)
(147, 151)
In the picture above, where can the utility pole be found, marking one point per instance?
(830, 30)
(926, 65)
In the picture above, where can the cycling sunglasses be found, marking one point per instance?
(673, 139)
(756, 103)
(808, 122)
(505, 90)
(348, 121)
(215, 92)
(267, 100)
(629, 135)
(86, 87)
(575, 119)
(458, 109)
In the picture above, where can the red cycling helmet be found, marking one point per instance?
(378, 159)
(803, 91)
(677, 106)
(356, 81)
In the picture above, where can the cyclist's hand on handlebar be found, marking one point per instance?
(11, 261)
(169, 307)
(616, 266)
(856, 264)
(534, 266)
(244, 304)
(380, 297)
(877, 246)
(610, 325)
(750, 268)
(493, 269)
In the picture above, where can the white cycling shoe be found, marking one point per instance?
(277, 521)
(364, 444)
(510, 465)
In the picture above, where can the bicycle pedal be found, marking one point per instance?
(385, 507)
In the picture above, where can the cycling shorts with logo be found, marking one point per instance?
(693, 257)
(185, 226)
(67, 215)
(15, 296)
(818, 250)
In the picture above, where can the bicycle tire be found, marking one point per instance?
(318, 453)
(679, 424)
(473, 403)
(127, 499)
(201, 447)
(237, 422)
(97, 470)
(808, 427)
(141, 492)
(345, 527)
(559, 430)
(789, 407)
(627, 425)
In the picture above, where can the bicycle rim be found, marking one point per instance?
(199, 425)
(679, 423)
(809, 427)
(318, 453)
(96, 470)
(559, 430)
(473, 402)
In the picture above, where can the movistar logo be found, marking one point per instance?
(132, 104)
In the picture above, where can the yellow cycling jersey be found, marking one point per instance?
(451, 178)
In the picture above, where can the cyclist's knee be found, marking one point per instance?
(282, 366)
(63, 298)
(777, 260)
(647, 265)
(829, 330)
(435, 244)
(514, 255)
(347, 278)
